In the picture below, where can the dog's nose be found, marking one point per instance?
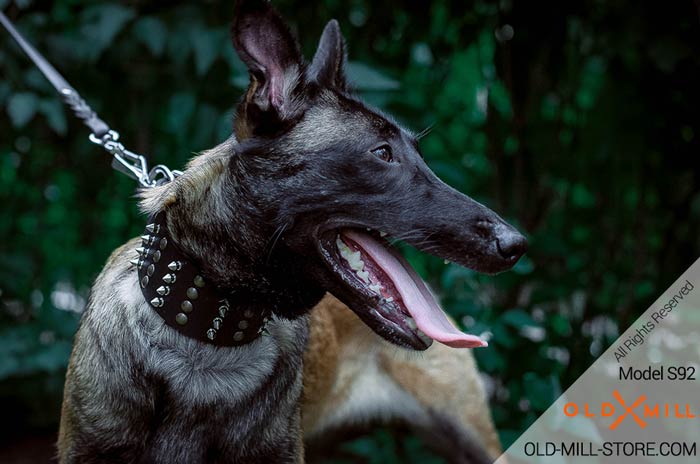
(511, 244)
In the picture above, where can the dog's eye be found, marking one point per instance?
(383, 153)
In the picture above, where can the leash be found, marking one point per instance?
(173, 286)
(123, 160)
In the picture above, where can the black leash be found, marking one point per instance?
(124, 161)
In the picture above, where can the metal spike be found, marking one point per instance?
(153, 228)
(163, 290)
(157, 302)
(141, 250)
(169, 278)
(135, 261)
(223, 310)
(175, 266)
(211, 334)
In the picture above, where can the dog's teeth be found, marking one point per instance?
(364, 275)
(353, 258)
(375, 288)
(411, 323)
(389, 300)
(356, 263)
(344, 249)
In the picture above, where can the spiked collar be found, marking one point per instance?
(187, 302)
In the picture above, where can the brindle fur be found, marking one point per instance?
(249, 213)
(352, 379)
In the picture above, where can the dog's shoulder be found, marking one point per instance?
(119, 327)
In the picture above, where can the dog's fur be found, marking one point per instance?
(352, 379)
(254, 214)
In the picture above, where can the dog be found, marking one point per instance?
(192, 345)
(352, 379)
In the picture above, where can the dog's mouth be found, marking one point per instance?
(387, 293)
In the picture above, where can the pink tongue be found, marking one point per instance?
(421, 304)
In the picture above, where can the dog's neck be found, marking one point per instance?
(176, 289)
(219, 228)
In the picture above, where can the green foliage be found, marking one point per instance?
(578, 124)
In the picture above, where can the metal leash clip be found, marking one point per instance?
(132, 164)
(124, 161)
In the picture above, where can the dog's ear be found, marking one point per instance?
(328, 65)
(268, 49)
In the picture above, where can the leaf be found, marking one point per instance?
(180, 111)
(55, 115)
(540, 391)
(240, 80)
(499, 98)
(21, 107)
(582, 197)
(524, 266)
(207, 45)
(518, 318)
(102, 23)
(4, 91)
(560, 325)
(152, 33)
(363, 77)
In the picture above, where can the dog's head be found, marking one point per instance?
(336, 179)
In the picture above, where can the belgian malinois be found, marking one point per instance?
(191, 348)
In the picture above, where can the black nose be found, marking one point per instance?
(511, 244)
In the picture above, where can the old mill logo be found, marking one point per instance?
(638, 411)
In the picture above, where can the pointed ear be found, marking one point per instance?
(328, 65)
(268, 49)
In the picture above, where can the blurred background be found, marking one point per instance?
(579, 122)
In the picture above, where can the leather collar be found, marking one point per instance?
(182, 296)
